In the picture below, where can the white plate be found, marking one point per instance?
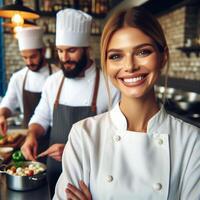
(6, 150)
(20, 131)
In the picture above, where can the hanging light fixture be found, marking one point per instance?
(13, 28)
(17, 12)
(26, 23)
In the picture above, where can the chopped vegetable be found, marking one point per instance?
(18, 156)
(30, 170)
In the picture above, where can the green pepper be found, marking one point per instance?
(18, 156)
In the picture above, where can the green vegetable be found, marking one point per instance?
(18, 156)
(1, 137)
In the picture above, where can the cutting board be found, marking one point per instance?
(16, 144)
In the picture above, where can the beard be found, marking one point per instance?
(36, 67)
(79, 66)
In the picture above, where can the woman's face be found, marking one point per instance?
(133, 62)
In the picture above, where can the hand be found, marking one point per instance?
(3, 125)
(75, 194)
(55, 151)
(29, 148)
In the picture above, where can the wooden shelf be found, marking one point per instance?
(189, 50)
(47, 13)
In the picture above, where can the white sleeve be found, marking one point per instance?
(10, 99)
(42, 114)
(74, 166)
(191, 182)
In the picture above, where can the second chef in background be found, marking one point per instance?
(25, 86)
(74, 93)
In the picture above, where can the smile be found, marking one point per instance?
(133, 80)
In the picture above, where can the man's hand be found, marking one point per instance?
(74, 193)
(55, 151)
(3, 125)
(29, 148)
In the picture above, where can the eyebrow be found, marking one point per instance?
(136, 47)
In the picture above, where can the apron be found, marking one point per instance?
(30, 101)
(63, 118)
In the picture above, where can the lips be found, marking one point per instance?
(134, 81)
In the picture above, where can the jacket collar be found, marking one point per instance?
(156, 125)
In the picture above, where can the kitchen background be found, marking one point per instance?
(180, 20)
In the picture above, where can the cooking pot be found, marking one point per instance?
(190, 107)
(24, 183)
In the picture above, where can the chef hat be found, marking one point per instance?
(30, 38)
(73, 28)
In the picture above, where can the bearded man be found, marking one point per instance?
(75, 92)
(25, 86)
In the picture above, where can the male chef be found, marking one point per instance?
(74, 93)
(25, 86)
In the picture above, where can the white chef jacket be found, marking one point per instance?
(75, 92)
(116, 164)
(34, 83)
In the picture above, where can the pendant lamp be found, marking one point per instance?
(26, 23)
(18, 10)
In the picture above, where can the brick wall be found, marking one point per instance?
(181, 27)
(13, 60)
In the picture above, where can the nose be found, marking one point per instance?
(28, 61)
(130, 64)
(65, 56)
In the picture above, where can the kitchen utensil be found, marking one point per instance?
(24, 183)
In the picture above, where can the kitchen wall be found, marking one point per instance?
(13, 60)
(180, 25)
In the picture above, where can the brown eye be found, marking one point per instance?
(143, 52)
(114, 57)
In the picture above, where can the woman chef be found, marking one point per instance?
(25, 86)
(136, 150)
(75, 92)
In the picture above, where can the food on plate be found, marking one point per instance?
(12, 137)
(9, 138)
(30, 170)
(3, 140)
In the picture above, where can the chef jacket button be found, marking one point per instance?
(160, 141)
(157, 186)
(109, 178)
(117, 138)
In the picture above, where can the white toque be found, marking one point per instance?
(73, 28)
(30, 38)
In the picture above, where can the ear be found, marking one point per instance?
(165, 57)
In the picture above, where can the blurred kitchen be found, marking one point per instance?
(180, 20)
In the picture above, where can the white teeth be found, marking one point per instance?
(133, 80)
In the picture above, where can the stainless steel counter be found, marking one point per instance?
(37, 194)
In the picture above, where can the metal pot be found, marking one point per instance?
(25, 183)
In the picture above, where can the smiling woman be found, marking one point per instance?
(136, 150)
